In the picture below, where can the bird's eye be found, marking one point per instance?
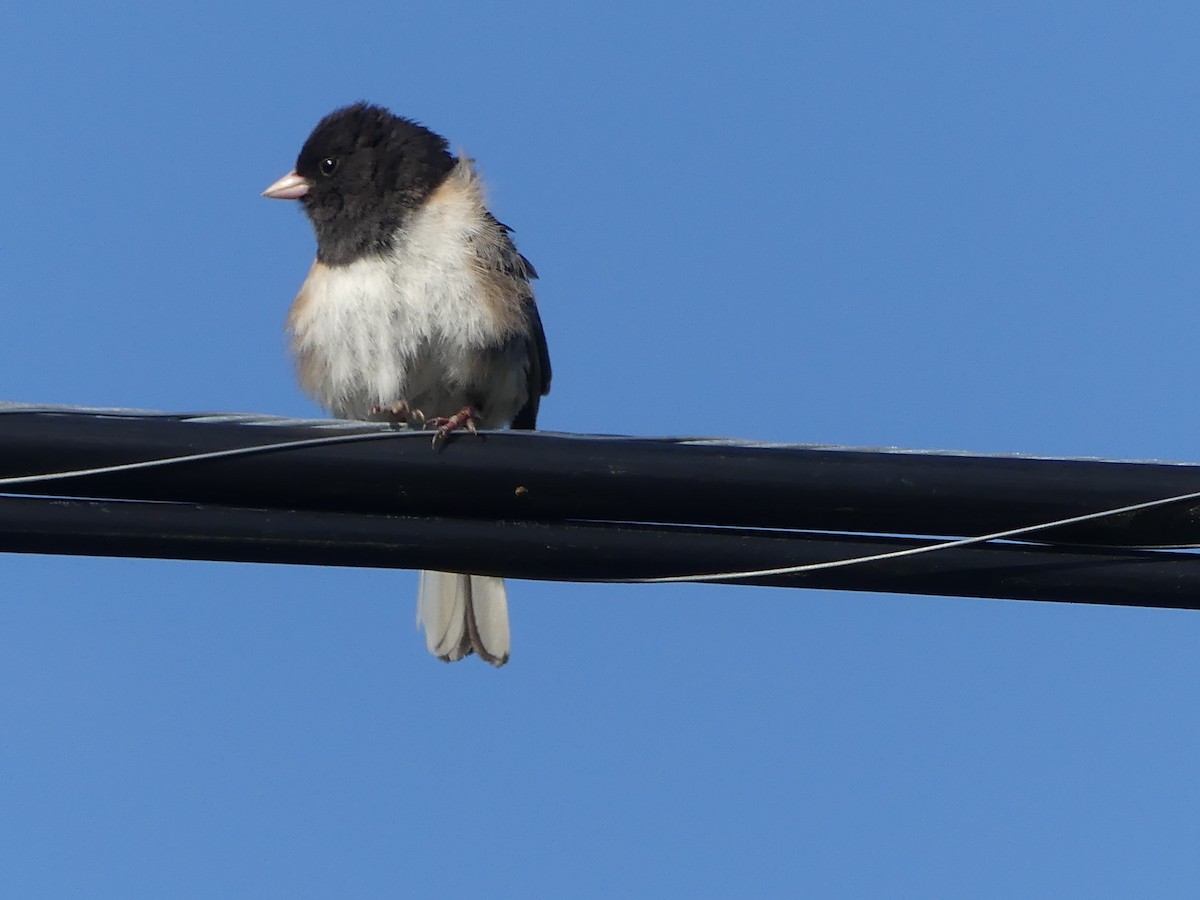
(329, 165)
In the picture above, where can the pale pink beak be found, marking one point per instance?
(290, 187)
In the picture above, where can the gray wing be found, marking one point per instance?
(537, 370)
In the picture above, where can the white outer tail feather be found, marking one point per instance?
(464, 613)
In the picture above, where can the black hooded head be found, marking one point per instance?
(369, 170)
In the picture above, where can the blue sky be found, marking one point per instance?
(934, 225)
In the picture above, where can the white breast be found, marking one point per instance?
(402, 326)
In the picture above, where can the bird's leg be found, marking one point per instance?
(399, 411)
(446, 425)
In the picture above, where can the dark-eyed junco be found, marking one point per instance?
(419, 308)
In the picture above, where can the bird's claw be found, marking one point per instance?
(399, 411)
(447, 425)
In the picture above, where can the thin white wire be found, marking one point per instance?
(913, 551)
(199, 457)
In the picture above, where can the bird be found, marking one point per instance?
(419, 309)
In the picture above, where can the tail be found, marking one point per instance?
(464, 614)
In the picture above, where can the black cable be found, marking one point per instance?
(591, 508)
(549, 477)
(567, 551)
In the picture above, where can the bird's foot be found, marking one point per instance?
(447, 425)
(400, 411)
